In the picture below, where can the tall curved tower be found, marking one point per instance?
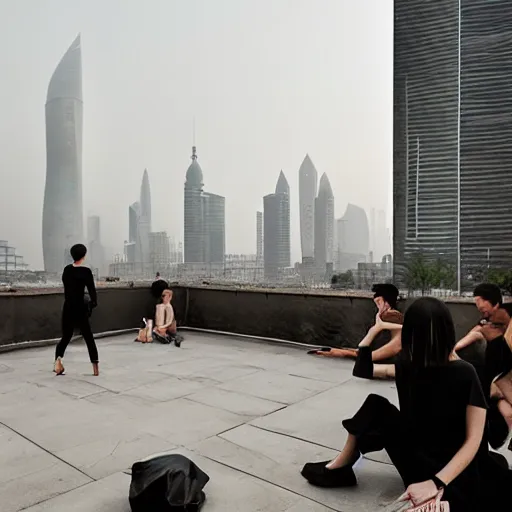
(308, 178)
(62, 207)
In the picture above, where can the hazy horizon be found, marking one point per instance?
(266, 81)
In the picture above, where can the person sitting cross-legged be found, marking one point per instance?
(386, 330)
(165, 322)
(495, 371)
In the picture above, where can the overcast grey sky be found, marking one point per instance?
(267, 81)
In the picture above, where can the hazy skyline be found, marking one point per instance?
(267, 82)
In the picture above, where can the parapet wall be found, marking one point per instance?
(328, 318)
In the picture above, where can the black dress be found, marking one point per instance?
(429, 429)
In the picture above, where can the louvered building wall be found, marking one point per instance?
(452, 132)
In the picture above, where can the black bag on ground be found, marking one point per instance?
(167, 483)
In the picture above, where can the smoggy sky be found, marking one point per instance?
(266, 80)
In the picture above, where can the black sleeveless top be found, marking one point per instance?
(498, 360)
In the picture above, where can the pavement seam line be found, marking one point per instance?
(48, 452)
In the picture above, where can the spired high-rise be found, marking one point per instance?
(453, 134)
(62, 207)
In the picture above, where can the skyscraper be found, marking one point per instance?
(308, 177)
(214, 210)
(205, 219)
(96, 251)
(145, 218)
(132, 247)
(324, 224)
(62, 206)
(452, 134)
(194, 229)
(276, 229)
(259, 236)
(159, 252)
(353, 238)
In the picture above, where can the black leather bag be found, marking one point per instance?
(167, 483)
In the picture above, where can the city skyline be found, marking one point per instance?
(247, 123)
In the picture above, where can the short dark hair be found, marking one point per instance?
(489, 292)
(389, 292)
(78, 252)
(428, 334)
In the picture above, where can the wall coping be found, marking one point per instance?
(320, 292)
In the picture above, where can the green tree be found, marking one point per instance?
(501, 278)
(424, 275)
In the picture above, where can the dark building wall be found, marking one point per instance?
(453, 130)
(486, 133)
(314, 319)
(426, 110)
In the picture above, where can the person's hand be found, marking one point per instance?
(422, 492)
(378, 323)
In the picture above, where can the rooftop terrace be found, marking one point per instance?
(248, 413)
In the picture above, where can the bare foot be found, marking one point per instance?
(96, 370)
(59, 367)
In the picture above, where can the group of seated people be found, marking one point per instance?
(450, 410)
(160, 322)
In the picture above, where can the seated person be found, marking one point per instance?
(165, 323)
(386, 330)
(495, 373)
(436, 439)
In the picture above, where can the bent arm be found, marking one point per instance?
(389, 350)
(475, 424)
(91, 288)
(471, 337)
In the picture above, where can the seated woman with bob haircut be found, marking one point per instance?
(437, 438)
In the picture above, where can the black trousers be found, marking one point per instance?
(379, 425)
(72, 319)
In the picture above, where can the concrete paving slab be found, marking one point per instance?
(28, 474)
(107, 495)
(237, 403)
(170, 388)
(111, 454)
(183, 422)
(318, 419)
(279, 459)
(277, 387)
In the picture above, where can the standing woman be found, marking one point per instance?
(76, 311)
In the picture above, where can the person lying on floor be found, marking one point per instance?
(495, 372)
(165, 323)
(385, 332)
(436, 439)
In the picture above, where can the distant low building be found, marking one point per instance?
(368, 274)
(11, 263)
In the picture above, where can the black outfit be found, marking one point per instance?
(76, 310)
(428, 430)
(498, 363)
